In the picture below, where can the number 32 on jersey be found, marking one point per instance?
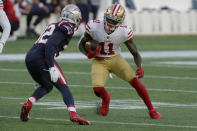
(46, 34)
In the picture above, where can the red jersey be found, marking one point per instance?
(9, 10)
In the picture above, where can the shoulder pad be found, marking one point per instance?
(127, 32)
(91, 25)
(66, 27)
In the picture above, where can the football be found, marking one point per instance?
(93, 44)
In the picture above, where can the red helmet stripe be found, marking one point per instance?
(117, 10)
(114, 9)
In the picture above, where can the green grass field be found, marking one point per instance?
(172, 88)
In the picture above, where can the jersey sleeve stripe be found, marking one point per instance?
(1, 4)
(130, 32)
(87, 26)
(131, 35)
(87, 30)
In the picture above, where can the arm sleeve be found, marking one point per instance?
(5, 24)
(51, 44)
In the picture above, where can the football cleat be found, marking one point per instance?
(105, 105)
(24, 116)
(154, 114)
(75, 118)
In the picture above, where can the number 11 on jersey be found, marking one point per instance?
(106, 48)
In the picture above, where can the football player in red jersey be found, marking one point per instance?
(43, 68)
(110, 33)
(5, 25)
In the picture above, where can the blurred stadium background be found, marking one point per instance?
(146, 17)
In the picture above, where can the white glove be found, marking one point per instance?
(54, 73)
(1, 47)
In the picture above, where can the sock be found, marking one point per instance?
(31, 101)
(100, 92)
(72, 111)
(71, 108)
(142, 92)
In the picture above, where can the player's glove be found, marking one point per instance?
(140, 72)
(92, 53)
(54, 73)
(1, 46)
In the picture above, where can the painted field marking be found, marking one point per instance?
(108, 87)
(88, 73)
(114, 104)
(110, 122)
(176, 62)
(144, 54)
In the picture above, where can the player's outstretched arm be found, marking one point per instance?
(133, 49)
(82, 43)
(137, 58)
(5, 24)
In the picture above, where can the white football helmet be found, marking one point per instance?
(72, 14)
(113, 17)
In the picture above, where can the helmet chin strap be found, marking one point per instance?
(110, 28)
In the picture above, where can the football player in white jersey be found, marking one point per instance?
(110, 33)
(5, 25)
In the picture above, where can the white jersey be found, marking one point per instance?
(5, 24)
(110, 44)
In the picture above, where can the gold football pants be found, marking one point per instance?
(115, 64)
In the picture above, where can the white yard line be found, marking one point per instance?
(88, 73)
(144, 54)
(122, 104)
(171, 77)
(111, 122)
(108, 87)
(176, 62)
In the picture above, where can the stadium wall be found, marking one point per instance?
(143, 22)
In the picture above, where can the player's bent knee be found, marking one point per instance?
(47, 86)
